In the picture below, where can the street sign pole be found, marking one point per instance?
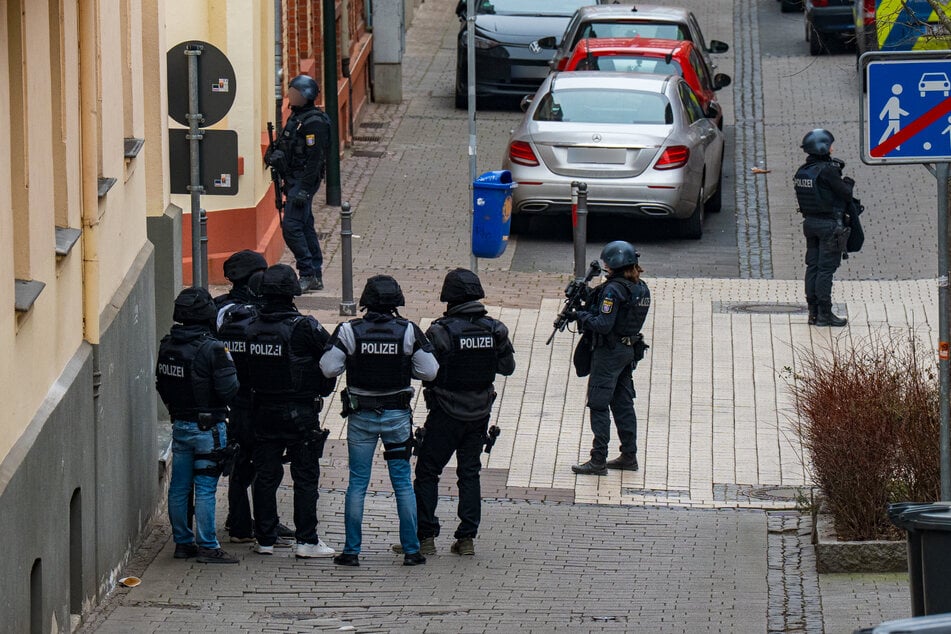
(942, 173)
(194, 187)
(470, 82)
(906, 119)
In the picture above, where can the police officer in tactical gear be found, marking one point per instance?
(381, 353)
(238, 268)
(196, 379)
(614, 314)
(471, 349)
(283, 349)
(824, 196)
(300, 156)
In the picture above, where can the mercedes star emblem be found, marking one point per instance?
(596, 138)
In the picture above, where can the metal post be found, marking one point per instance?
(470, 84)
(195, 189)
(347, 306)
(278, 68)
(579, 227)
(330, 102)
(943, 172)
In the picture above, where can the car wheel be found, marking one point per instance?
(692, 227)
(715, 203)
(789, 6)
(816, 44)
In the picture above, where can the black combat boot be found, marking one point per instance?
(592, 467)
(813, 314)
(624, 462)
(826, 317)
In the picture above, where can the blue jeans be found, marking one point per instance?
(300, 235)
(188, 440)
(364, 428)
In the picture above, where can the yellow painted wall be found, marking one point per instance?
(66, 155)
(244, 31)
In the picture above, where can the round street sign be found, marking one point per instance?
(216, 83)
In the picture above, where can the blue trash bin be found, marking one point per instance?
(492, 213)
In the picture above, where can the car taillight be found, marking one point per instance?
(673, 157)
(521, 152)
(820, 3)
(562, 63)
(869, 9)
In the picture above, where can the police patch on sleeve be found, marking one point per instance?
(311, 139)
(607, 306)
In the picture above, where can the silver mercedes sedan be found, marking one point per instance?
(642, 143)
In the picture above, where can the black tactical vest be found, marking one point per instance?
(633, 310)
(293, 140)
(814, 199)
(473, 359)
(275, 369)
(234, 334)
(185, 394)
(378, 362)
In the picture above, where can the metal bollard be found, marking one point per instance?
(347, 306)
(579, 226)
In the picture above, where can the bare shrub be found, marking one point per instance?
(868, 417)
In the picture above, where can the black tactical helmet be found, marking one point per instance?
(280, 279)
(242, 264)
(306, 85)
(461, 285)
(383, 292)
(618, 254)
(254, 283)
(194, 305)
(818, 142)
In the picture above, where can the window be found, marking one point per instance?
(603, 106)
(691, 104)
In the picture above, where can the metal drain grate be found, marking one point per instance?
(369, 153)
(760, 308)
(374, 124)
(367, 139)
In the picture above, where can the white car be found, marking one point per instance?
(934, 82)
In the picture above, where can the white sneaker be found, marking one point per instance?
(320, 549)
(262, 550)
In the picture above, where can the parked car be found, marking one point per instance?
(625, 20)
(657, 56)
(828, 20)
(886, 26)
(641, 142)
(789, 6)
(509, 61)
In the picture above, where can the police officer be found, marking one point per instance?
(300, 156)
(615, 312)
(471, 349)
(381, 353)
(824, 196)
(238, 268)
(283, 349)
(196, 379)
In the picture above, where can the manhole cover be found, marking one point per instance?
(769, 308)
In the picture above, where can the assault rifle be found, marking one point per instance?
(275, 173)
(574, 294)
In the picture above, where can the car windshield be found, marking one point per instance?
(624, 64)
(661, 30)
(531, 7)
(600, 105)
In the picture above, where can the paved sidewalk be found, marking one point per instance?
(704, 538)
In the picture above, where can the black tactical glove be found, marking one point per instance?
(274, 157)
(848, 180)
(299, 201)
(571, 315)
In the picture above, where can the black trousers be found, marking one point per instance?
(239, 522)
(444, 436)
(611, 391)
(822, 258)
(304, 453)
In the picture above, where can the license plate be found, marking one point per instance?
(529, 72)
(610, 156)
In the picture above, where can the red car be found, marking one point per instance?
(652, 55)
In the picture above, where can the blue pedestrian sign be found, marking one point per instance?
(908, 111)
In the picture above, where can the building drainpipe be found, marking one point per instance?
(278, 68)
(345, 62)
(90, 109)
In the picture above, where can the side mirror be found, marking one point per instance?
(721, 80)
(526, 102)
(716, 46)
(713, 111)
(549, 43)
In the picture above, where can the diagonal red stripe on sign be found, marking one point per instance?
(913, 128)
